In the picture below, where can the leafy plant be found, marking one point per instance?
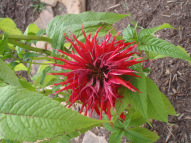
(39, 6)
(115, 79)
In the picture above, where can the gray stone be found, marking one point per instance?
(90, 137)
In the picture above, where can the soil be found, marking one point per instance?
(173, 76)
(21, 11)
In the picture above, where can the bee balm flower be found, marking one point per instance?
(95, 73)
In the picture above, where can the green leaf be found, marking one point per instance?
(27, 85)
(129, 34)
(20, 67)
(3, 43)
(151, 31)
(161, 47)
(7, 75)
(28, 55)
(44, 73)
(91, 29)
(152, 55)
(62, 139)
(156, 106)
(2, 83)
(9, 141)
(32, 29)
(7, 25)
(41, 79)
(74, 22)
(139, 100)
(115, 137)
(30, 116)
(121, 104)
(169, 108)
(141, 135)
(136, 119)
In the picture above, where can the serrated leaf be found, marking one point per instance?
(161, 47)
(91, 29)
(74, 22)
(115, 137)
(151, 31)
(129, 34)
(135, 119)
(8, 25)
(27, 85)
(7, 75)
(152, 55)
(30, 116)
(139, 100)
(169, 108)
(121, 104)
(156, 106)
(140, 135)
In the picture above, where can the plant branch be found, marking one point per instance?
(27, 47)
(36, 63)
(29, 37)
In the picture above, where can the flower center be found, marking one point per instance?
(100, 72)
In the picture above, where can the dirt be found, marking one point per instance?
(21, 11)
(173, 76)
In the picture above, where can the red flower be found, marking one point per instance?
(95, 72)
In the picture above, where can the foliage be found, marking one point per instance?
(27, 113)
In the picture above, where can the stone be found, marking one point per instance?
(75, 6)
(45, 17)
(41, 45)
(90, 137)
(63, 2)
(50, 2)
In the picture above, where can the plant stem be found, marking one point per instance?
(43, 58)
(36, 63)
(27, 47)
(29, 37)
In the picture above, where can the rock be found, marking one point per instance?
(63, 2)
(75, 6)
(44, 45)
(50, 2)
(45, 17)
(90, 137)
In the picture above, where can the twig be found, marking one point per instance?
(114, 6)
(170, 83)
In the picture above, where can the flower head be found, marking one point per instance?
(95, 73)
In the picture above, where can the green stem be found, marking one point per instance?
(16, 58)
(29, 37)
(30, 62)
(27, 47)
(36, 63)
(43, 58)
